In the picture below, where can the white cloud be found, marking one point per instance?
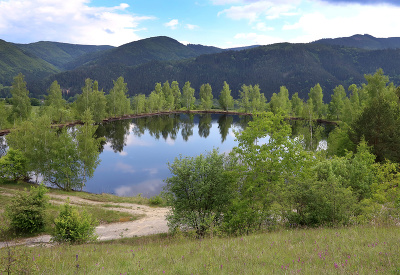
(191, 27)
(72, 21)
(173, 24)
(261, 26)
(258, 39)
(270, 9)
(330, 21)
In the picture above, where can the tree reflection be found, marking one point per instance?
(3, 146)
(115, 133)
(205, 125)
(224, 124)
(187, 126)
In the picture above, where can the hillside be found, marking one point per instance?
(367, 42)
(297, 66)
(13, 61)
(60, 54)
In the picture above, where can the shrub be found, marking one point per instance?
(156, 200)
(27, 210)
(13, 165)
(72, 226)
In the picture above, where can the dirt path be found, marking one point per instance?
(152, 222)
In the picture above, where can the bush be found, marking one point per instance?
(156, 200)
(13, 165)
(72, 226)
(27, 210)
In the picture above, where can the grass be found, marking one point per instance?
(98, 212)
(355, 250)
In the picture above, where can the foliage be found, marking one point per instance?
(188, 98)
(21, 103)
(206, 96)
(117, 101)
(27, 210)
(198, 192)
(73, 226)
(13, 165)
(225, 99)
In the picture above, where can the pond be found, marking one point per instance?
(135, 157)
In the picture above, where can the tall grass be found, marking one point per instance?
(356, 250)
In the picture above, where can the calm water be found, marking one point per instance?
(135, 156)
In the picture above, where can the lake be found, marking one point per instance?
(135, 157)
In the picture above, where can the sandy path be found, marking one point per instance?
(152, 222)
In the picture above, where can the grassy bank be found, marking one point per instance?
(357, 250)
(103, 210)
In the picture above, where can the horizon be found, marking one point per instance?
(253, 45)
(219, 23)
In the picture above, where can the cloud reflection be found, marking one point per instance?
(123, 167)
(148, 188)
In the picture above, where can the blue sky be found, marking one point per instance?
(220, 23)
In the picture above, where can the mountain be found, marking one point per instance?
(296, 66)
(365, 41)
(146, 50)
(61, 54)
(14, 60)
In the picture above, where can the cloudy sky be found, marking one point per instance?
(221, 23)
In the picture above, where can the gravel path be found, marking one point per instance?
(152, 222)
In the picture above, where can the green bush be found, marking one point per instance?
(73, 226)
(13, 165)
(27, 210)
(156, 200)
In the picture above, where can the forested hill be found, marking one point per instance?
(297, 66)
(146, 50)
(61, 54)
(365, 41)
(13, 61)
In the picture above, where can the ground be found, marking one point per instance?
(152, 222)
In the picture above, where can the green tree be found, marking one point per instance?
(297, 105)
(21, 108)
(317, 98)
(268, 158)
(206, 96)
(55, 103)
(73, 226)
(169, 96)
(139, 103)
(13, 165)
(4, 114)
(198, 191)
(93, 99)
(188, 98)
(244, 101)
(336, 106)
(88, 146)
(27, 210)
(177, 94)
(225, 98)
(118, 102)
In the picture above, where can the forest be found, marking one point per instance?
(286, 180)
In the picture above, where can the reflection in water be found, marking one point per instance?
(135, 156)
(115, 133)
(204, 125)
(313, 133)
(3, 146)
(224, 124)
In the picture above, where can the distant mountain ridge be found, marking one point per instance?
(60, 54)
(366, 41)
(142, 63)
(14, 60)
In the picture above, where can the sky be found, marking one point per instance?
(220, 23)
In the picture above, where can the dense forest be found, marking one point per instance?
(329, 62)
